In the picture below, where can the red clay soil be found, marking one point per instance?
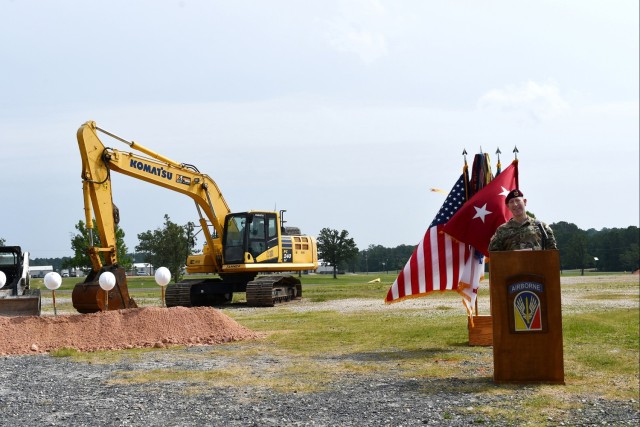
(120, 329)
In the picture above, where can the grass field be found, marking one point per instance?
(343, 323)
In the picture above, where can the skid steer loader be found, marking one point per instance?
(16, 297)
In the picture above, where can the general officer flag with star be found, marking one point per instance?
(478, 219)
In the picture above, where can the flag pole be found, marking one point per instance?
(515, 161)
(465, 168)
(465, 172)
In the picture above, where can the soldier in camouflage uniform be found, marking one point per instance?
(521, 231)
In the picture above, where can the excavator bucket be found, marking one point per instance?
(29, 304)
(89, 297)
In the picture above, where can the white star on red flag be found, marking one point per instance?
(493, 212)
(481, 212)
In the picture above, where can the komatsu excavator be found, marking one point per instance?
(238, 246)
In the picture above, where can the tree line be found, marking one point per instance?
(609, 249)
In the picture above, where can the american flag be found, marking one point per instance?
(438, 261)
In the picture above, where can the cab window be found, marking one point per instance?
(272, 230)
(234, 239)
(257, 240)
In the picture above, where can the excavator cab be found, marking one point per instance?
(251, 237)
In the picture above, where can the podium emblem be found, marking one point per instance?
(527, 304)
(526, 312)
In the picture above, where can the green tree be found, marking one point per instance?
(2, 241)
(80, 245)
(378, 258)
(56, 263)
(577, 251)
(616, 248)
(573, 245)
(629, 259)
(168, 246)
(336, 247)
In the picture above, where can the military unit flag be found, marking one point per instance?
(472, 274)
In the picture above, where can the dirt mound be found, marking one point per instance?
(120, 329)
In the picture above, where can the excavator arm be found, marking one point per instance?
(99, 161)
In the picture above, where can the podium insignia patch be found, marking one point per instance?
(526, 312)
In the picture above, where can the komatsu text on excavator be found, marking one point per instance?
(238, 246)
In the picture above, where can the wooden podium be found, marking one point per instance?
(527, 317)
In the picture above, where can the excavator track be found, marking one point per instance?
(198, 292)
(178, 294)
(266, 291)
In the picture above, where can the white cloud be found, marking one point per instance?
(358, 30)
(536, 100)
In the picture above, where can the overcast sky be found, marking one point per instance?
(344, 113)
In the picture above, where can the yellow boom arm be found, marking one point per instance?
(97, 163)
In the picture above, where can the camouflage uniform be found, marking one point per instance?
(513, 235)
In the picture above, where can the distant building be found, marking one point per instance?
(325, 268)
(73, 272)
(39, 270)
(142, 269)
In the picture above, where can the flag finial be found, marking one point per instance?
(515, 152)
(464, 154)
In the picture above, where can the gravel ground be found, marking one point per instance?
(45, 391)
(51, 391)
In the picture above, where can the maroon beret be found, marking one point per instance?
(512, 194)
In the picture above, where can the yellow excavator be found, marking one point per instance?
(250, 252)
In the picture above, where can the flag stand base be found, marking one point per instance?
(481, 333)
